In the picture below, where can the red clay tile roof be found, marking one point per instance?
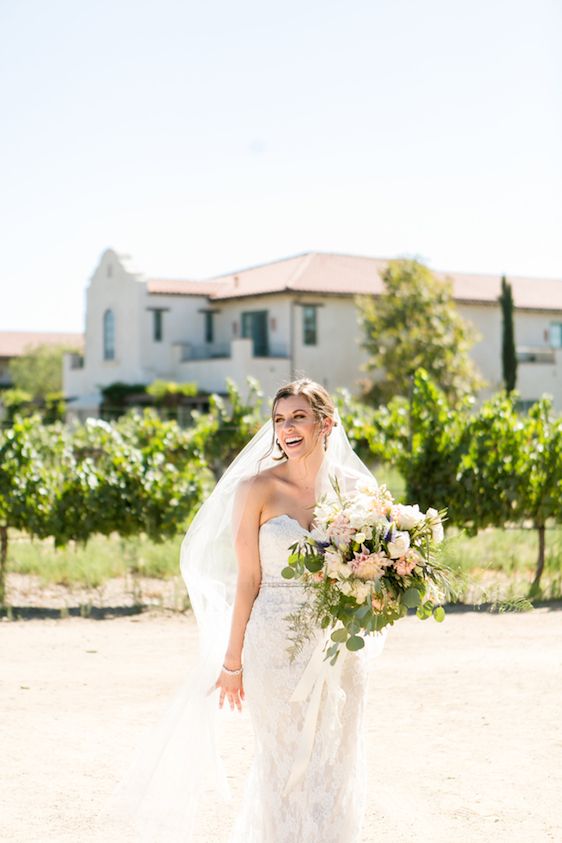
(321, 273)
(16, 343)
(174, 287)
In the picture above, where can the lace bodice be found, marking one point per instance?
(275, 537)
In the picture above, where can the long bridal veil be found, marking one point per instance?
(177, 765)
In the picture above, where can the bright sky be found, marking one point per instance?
(203, 137)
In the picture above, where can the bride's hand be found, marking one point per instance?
(231, 687)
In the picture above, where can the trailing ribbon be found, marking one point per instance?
(317, 672)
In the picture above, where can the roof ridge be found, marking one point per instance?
(496, 275)
(300, 269)
(257, 266)
(165, 279)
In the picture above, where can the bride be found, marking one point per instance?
(274, 509)
(308, 778)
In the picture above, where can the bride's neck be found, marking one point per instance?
(303, 472)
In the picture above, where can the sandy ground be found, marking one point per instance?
(464, 725)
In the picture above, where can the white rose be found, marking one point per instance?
(434, 521)
(437, 533)
(359, 538)
(345, 587)
(357, 517)
(407, 517)
(399, 546)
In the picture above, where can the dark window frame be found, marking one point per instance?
(309, 332)
(108, 334)
(157, 324)
(209, 326)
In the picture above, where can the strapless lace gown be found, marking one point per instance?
(327, 805)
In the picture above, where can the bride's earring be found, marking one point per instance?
(325, 441)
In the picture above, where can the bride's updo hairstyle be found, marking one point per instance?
(317, 396)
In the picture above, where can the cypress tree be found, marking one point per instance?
(509, 357)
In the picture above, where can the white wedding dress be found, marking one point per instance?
(327, 804)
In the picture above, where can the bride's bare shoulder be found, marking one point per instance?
(259, 485)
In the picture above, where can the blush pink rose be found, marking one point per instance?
(405, 564)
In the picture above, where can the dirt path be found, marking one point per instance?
(464, 726)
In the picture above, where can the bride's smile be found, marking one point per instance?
(297, 429)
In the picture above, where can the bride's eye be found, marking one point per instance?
(297, 417)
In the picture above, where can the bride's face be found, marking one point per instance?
(296, 427)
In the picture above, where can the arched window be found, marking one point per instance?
(108, 335)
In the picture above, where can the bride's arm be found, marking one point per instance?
(246, 522)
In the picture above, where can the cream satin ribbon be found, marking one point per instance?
(317, 672)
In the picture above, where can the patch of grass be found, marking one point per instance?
(91, 565)
(500, 564)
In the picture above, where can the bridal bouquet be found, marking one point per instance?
(366, 562)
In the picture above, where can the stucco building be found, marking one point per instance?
(284, 319)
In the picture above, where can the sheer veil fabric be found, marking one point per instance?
(178, 766)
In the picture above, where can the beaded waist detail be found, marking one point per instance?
(279, 584)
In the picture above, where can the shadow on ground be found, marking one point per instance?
(100, 613)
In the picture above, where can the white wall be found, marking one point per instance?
(113, 286)
(211, 375)
(531, 329)
(183, 322)
(337, 358)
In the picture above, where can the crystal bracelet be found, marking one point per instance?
(232, 672)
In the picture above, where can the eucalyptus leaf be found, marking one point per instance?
(340, 635)
(439, 614)
(356, 642)
(314, 564)
(411, 598)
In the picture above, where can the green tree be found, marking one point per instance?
(39, 370)
(414, 324)
(376, 434)
(509, 356)
(540, 475)
(16, 402)
(491, 467)
(110, 481)
(429, 460)
(69, 483)
(26, 485)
